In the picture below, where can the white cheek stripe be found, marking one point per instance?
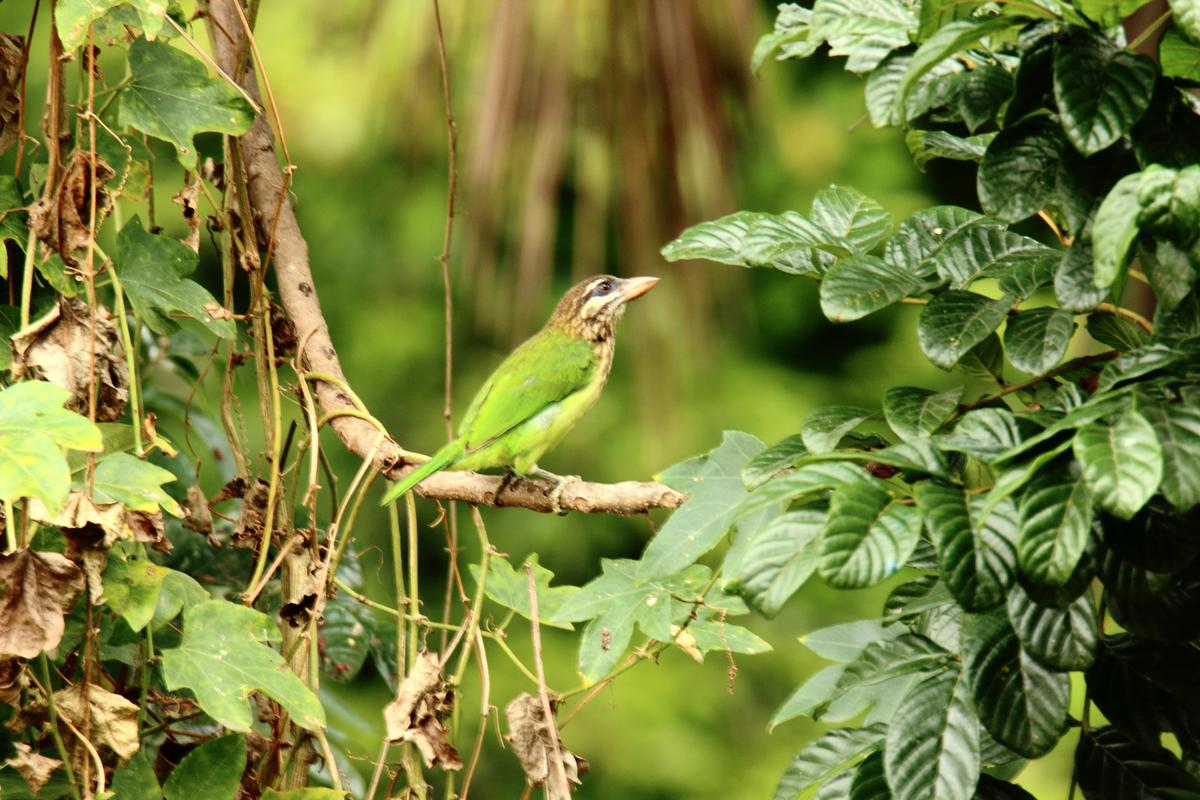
(593, 306)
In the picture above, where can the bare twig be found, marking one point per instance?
(557, 785)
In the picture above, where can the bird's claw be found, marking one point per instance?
(556, 493)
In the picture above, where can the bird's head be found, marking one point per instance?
(591, 308)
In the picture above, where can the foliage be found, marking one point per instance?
(1032, 520)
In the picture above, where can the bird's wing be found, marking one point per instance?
(542, 371)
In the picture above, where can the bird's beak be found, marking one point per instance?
(632, 288)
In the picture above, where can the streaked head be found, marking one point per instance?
(592, 307)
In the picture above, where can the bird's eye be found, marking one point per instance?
(602, 288)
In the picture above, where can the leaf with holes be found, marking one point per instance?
(868, 536)
(72, 18)
(954, 322)
(1122, 462)
(1056, 517)
(1101, 89)
(932, 746)
(1037, 339)
(916, 413)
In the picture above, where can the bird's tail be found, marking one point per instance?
(440, 460)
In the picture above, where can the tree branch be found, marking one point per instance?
(298, 294)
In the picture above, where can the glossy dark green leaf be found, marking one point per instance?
(1115, 230)
(984, 360)
(1021, 703)
(889, 658)
(806, 481)
(825, 427)
(954, 322)
(869, 781)
(847, 215)
(1177, 426)
(986, 433)
(1036, 339)
(984, 91)
(919, 457)
(1018, 172)
(779, 559)
(947, 41)
(213, 771)
(826, 757)
(1179, 56)
(1136, 363)
(1122, 462)
(1161, 605)
(990, 788)
(1061, 638)
(867, 537)
(932, 748)
(787, 242)
(915, 413)
(1109, 766)
(1056, 517)
(860, 285)
(864, 31)
(1101, 89)
(881, 87)
(1146, 688)
(925, 146)
(1171, 270)
(774, 459)
(977, 555)
(936, 240)
(1115, 331)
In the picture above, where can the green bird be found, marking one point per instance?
(541, 390)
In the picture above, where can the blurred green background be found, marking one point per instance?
(590, 133)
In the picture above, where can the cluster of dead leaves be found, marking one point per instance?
(417, 715)
(37, 589)
(12, 66)
(62, 221)
(535, 741)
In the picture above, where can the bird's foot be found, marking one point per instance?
(510, 475)
(560, 483)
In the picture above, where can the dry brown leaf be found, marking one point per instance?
(113, 719)
(11, 672)
(12, 50)
(196, 514)
(422, 702)
(35, 768)
(188, 199)
(61, 221)
(307, 585)
(533, 739)
(58, 348)
(36, 589)
(249, 528)
(686, 642)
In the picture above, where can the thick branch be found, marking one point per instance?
(298, 294)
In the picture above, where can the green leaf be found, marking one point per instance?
(1056, 516)
(808, 480)
(844, 642)
(1187, 16)
(790, 39)
(213, 771)
(986, 433)
(1101, 90)
(1075, 280)
(825, 427)
(715, 491)
(867, 537)
(932, 748)
(749, 239)
(1108, 12)
(1136, 363)
(1109, 766)
(709, 635)
(1122, 462)
(984, 91)
(916, 413)
(954, 322)
(1177, 426)
(621, 598)
(976, 554)
(1020, 702)
(1017, 176)
(1115, 331)
(869, 781)
(1037, 339)
(780, 558)
(1115, 230)
(135, 778)
(1179, 56)
(847, 214)
(864, 30)
(947, 41)
(125, 478)
(920, 456)
(937, 240)
(72, 18)
(826, 757)
(509, 587)
(907, 653)
(171, 97)
(152, 270)
(860, 285)
(1146, 688)
(990, 788)
(131, 586)
(776, 458)
(14, 225)
(808, 696)
(222, 658)
(1170, 269)
(925, 146)
(1061, 638)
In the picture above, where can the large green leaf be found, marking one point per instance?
(788, 242)
(1061, 638)
(509, 588)
(1122, 462)
(136, 778)
(1075, 280)
(808, 480)
(863, 284)
(170, 96)
(223, 657)
(915, 413)
(1170, 269)
(213, 771)
(863, 30)
(715, 490)
(868, 536)
(1147, 688)
(1115, 230)
(1177, 426)
(947, 41)
(1187, 16)
(127, 479)
(928, 145)
(1179, 56)
(779, 559)
(954, 322)
(986, 433)
(848, 215)
(1037, 339)
(889, 658)
(791, 38)
(1017, 176)
(976, 554)
(869, 781)
(826, 757)
(1056, 517)
(1021, 703)
(1101, 89)
(937, 240)
(152, 270)
(72, 17)
(1109, 766)
(844, 642)
(932, 749)
(131, 586)
(779, 456)
(825, 427)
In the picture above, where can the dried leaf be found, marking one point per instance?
(197, 516)
(12, 61)
(422, 702)
(58, 348)
(533, 739)
(11, 671)
(61, 221)
(686, 641)
(188, 199)
(35, 768)
(37, 589)
(113, 719)
(250, 523)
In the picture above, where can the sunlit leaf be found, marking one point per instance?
(127, 479)
(825, 427)
(863, 30)
(1177, 426)
(932, 746)
(779, 559)
(860, 285)
(1061, 638)
(868, 536)
(925, 146)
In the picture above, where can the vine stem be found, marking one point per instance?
(276, 420)
(135, 391)
(560, 772)
(1128, 314)
(52, 712)
(1077, 363)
